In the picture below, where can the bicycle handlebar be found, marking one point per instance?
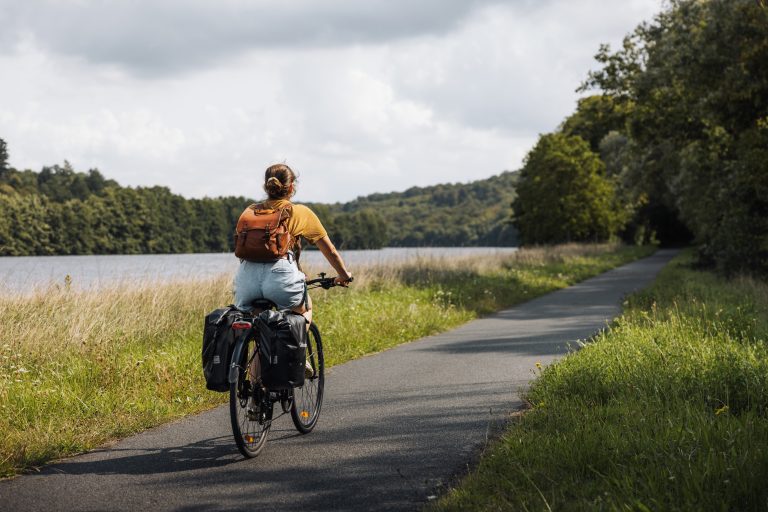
(325, 282)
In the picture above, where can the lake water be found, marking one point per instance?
(23, 274)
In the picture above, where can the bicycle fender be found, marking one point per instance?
(236, 357)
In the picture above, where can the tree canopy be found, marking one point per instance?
(680, 124)
(61, 211)
(445, 215)
(3, 157)
(563, 194)
(697, 81)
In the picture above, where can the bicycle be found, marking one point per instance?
(251, 406)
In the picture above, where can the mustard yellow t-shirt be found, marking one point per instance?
(303, 221)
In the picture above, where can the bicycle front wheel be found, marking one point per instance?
(307, 399)
(248, 410)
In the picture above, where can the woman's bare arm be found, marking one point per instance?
(334, 258)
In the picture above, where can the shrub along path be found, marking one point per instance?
(395, 428)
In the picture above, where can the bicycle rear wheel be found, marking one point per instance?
(249, 411)
(307, 399)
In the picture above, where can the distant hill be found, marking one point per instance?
(471, 214)
(62, 211)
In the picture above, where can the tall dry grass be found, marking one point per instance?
(78, 367)
(61, 320)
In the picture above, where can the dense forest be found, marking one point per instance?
(450, 215)
(61, 211)
(674, 147)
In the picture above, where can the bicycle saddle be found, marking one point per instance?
(263, 304)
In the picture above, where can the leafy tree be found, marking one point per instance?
(22, 182)
(3, 158)
(214, 224)
(365, 229)
(7, 235)
(62, 183)
(71, 227)
(699, 84)
(597, 116)
(563, 194)
(96, 182)
(25, 229)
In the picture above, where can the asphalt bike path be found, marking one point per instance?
(396, 428)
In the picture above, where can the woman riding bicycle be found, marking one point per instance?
(281, 281)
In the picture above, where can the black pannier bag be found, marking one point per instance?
(218, 343)
(283, 349)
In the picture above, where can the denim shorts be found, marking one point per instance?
(281, 282)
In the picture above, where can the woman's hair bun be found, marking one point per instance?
(273, 187)
(278, 180)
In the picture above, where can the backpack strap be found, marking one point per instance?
(283, 221)
(297, 252)
(281, 211)
(288, 210)
(261, 208)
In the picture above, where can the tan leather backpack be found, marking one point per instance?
(262, 233)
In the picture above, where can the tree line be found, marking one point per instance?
(59, 211)
(445, 215)
(674, 147)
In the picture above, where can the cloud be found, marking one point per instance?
(148, 37)
(512, 69)
(356, 101)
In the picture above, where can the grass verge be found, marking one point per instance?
(78, 368)
(667, 410)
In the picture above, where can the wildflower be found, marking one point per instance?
(538, 365)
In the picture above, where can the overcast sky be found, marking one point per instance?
(357, 96)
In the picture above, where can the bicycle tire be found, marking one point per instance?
(308, 399)
(250, 432)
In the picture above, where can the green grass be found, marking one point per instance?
(78, 368)
(665, 411)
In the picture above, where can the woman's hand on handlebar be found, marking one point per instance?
(334, 258)
(343, 281)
